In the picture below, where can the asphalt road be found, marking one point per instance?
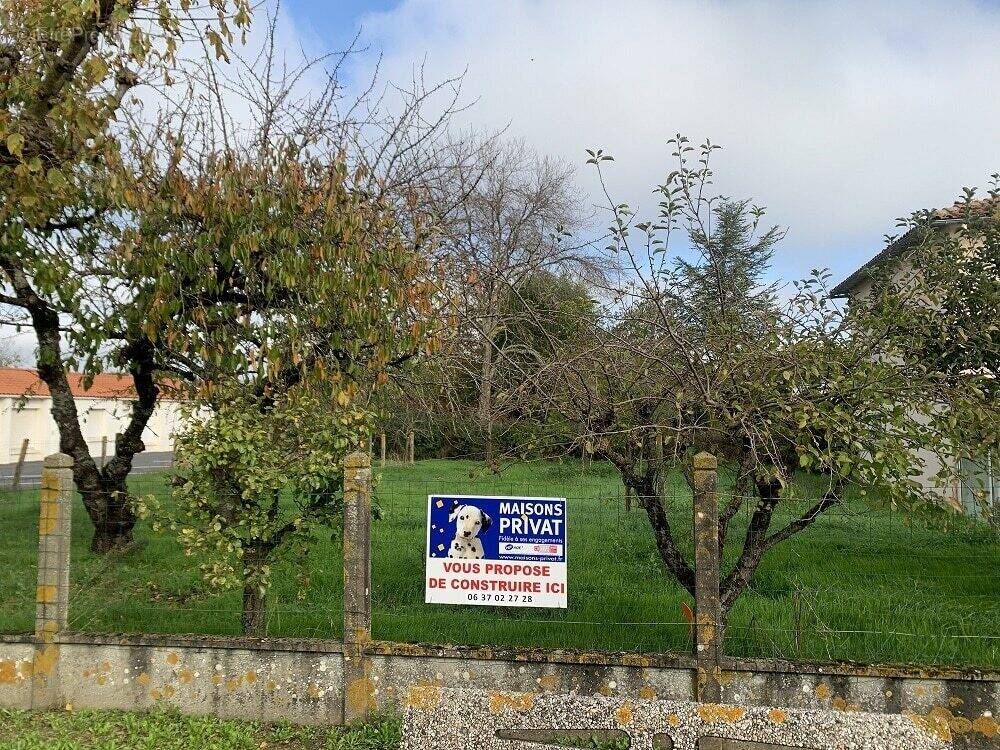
(31, 474)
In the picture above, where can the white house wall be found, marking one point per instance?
(31, 418)
(951, 494)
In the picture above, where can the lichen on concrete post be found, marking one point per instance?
(52, 592)
(708, 603)
(359, 692)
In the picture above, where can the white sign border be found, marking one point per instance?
(442, 495)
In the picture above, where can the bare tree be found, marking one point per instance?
(697, 352)
(507, 214)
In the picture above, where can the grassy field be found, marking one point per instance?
(857, 585)
(118, 730)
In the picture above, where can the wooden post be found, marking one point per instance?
(410, 453)
(630, 457)
(658, 447)
(16, 481)
(708, 604)
(52, 591)
(797, 621)
(359, 690)
(382, 459)
(104, 451)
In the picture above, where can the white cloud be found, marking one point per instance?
(837, 116)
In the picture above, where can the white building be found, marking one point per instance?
(978, 492)
(104, 407)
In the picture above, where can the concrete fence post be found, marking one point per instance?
(52, 593)
(410, 447)
(359, 690)
(382, 450)
(708, 604)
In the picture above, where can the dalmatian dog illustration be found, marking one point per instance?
(470, 522)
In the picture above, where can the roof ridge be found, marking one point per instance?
(22, 381)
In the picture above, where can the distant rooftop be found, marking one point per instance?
(978, 209)
(15, 381)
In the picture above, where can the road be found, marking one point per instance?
(143, 463)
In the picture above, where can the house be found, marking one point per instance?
(978, 491)
(105, 407)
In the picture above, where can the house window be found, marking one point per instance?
(981, 486)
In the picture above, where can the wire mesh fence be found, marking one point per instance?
(155, 585)
(18, 558)
(859, 584)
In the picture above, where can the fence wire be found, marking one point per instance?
(859, 584)
(18, 558)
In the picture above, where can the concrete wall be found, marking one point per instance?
(31, 418)
(303, 681)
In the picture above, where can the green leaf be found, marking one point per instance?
(15, 144)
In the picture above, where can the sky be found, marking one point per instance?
(837, 116)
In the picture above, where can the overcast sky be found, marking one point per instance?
(837, 116)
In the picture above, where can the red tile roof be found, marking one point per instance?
(15, 381)
(979, 208)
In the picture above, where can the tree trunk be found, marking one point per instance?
(253, 620)
(486, 393)
(103, 489)
(754, 544)
(663, 535)
(113, 517)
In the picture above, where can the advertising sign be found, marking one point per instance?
(498, 551)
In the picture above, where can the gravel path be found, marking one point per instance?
(453, 719)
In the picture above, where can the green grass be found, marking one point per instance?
(119, 730)
(858, 584)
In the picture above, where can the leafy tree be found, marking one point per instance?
(284, 293)
(65, 70)
(174, 247)
(722, 286)
(256, 480)
(956, 254)
(699, 353)
(281, 280)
